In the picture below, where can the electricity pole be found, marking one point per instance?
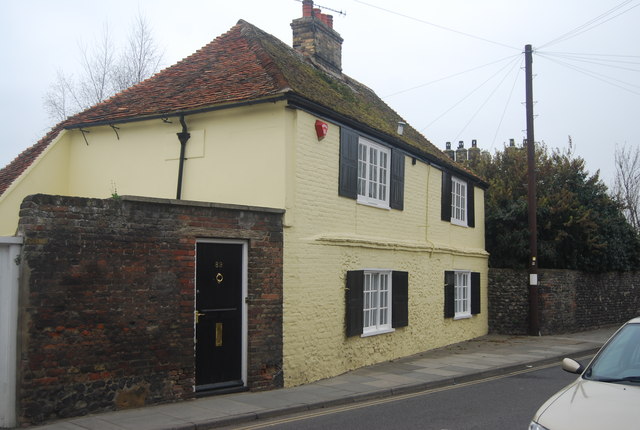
(534, 328)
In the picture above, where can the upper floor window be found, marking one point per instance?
(370, 172)
(373, 173)
(458, 202)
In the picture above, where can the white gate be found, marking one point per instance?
(9, 269)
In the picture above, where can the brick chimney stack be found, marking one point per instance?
(315, 38)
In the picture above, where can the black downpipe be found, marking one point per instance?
(183, 137)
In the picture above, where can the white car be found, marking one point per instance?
(607, 393)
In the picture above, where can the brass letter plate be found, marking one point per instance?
(218, 334)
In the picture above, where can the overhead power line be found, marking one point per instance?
(599, 76)
(509, 57)
(506, 105)
(591, 24)
(468, 95)
(441, 27)
(600, 60)
(498, 85)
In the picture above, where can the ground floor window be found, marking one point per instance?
(376, 301)
(462, 294)
(377, 298)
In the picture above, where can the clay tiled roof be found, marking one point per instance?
(241, 65)
(14, 169)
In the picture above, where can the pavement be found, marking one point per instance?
(484, 357)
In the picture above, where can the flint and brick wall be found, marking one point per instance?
(107, 301)
(569, 301)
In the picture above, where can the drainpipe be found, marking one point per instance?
(183, 137)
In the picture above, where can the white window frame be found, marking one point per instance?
(459, 206)
(376, 302)
(462, 294)
(374, 173)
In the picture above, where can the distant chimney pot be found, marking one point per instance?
(474, 143)
(461, 144)
(307, 8)
(448, 145)
(512, 142)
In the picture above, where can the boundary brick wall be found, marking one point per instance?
(569, 301)
(107, 301)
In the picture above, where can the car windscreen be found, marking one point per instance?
(619, 360)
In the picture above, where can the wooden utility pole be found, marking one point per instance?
(534, 326)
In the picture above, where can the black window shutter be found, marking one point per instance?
(399, 299)
(396, 195)
(446, 196)
(449, 304)
(471, 210)
(475, 293)
(354, 294)
(348, 175)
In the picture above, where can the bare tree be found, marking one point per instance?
(59, 98)
(97, 66)
(104, 71)
(626, 188)
(140, 59)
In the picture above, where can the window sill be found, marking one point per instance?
(361, 201)
(459, 223)
(377, 332)
(462, 317)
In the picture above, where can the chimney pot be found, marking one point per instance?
(512, 142)
(307, 7)
(461, 144)
(448, 145)
(474, 143)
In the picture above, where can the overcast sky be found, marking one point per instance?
(453, 69)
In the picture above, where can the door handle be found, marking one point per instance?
(198, 315)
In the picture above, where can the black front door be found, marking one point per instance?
(218, 315)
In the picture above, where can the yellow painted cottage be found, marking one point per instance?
(383, 234)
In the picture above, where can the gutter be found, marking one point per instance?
(180, 113)
(298, 102)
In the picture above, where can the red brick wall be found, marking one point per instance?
(107, 301)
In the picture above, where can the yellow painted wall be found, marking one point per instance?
(234, 156)
(267, 155)
(330, 235)
(48, 175)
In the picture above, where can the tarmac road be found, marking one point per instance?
(503, 402)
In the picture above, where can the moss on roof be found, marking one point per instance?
(243, 64)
